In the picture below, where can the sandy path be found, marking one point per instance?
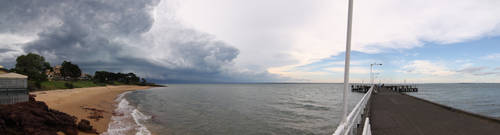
(71, 101)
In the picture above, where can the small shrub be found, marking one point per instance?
(33, 85)
(69, 85)
(38, 84)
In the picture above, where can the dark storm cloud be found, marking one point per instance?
(205, 58)
(91, 33)
(4, 50)
(83, 30)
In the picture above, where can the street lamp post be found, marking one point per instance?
(375, 77)
(371, 71)
(347, 58)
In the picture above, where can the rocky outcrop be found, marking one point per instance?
(84, 125)
(36, 118)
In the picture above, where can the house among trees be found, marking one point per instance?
(13, 87)
(85, 77)
(3, 71)
(54, 73)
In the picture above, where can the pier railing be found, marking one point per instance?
(350, 125)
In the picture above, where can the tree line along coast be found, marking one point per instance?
(42, 76)
(24, 111)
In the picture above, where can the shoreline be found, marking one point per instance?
(95, 104)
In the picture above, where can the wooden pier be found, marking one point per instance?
(395, 113)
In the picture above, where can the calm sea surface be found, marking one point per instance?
(243, 109)
(199, 109)
(480, 98)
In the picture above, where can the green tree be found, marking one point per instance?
(32, 65)
(101, 76)
(70, 70)
(132, 78)
(110, 77)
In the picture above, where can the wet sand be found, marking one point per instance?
(79, 102)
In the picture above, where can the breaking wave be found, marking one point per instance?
(127, 119)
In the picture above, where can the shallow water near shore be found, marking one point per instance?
(127, 120)
(197, 109)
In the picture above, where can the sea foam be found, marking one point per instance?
(127, 119)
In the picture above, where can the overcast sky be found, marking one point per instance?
(178, 41)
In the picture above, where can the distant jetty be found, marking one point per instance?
(363, 88)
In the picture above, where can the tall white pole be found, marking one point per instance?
(347, 57)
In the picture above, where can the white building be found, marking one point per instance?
(13, 88)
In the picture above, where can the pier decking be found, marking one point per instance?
(386, 110)
(393, 113)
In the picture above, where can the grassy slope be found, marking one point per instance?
(50, 85)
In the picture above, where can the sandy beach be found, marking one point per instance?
(79, 102)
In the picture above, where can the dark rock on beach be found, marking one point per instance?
(36, 118)
(84, 125)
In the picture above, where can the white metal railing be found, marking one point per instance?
(367, 129)
(349, 125)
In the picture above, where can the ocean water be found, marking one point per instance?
(242, 109)
(479, 98)
(260, 109)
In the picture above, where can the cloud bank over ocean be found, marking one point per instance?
(258, 40)
(121, 36)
